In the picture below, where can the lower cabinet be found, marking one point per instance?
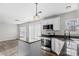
(71, 48)
(57, 45)
(71, 52)
(53, 44)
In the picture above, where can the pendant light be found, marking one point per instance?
(36, 17)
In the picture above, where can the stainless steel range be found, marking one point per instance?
(46, 41)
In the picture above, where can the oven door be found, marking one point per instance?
(46, 42)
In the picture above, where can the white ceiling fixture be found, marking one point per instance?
(36, 16)
(70, 7)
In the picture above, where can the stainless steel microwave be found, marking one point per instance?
(49, 26)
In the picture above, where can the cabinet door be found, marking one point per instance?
(71, 48)
(71, 52)
(68, 51)
(56, 23)
(57, 46)
(74, 52)
(74, 45)
(69, 44)
(61, 44)
(53, 44)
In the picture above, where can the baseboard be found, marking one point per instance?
(30, 42)
(8, 39)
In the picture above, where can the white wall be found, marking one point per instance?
(8, 31)
(66, 16)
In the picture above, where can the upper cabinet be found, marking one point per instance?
(55, 21)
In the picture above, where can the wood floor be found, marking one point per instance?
(48, 53)
(21, 48)
(8, 48)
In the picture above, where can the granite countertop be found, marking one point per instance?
(60, 36)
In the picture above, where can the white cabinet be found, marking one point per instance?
(61, 44)
(71, 48)
(72, 45)
(71, 52)
(53, 44)
(57, 45)
(55, 21)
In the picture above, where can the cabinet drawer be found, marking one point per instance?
(71, 52)
(61, 45)
(74, 45)
(74, 52)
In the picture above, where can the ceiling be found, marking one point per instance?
(17, 13)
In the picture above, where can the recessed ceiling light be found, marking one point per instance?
(40, 12)
(68, 6)
(16, 20)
